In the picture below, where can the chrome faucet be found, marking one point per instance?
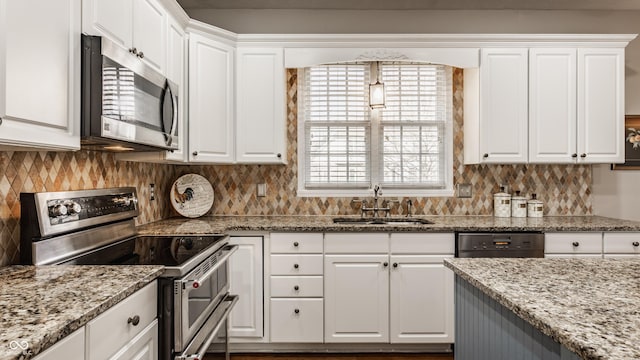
(375, 208)
(409, 206)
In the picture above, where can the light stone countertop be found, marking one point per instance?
(40, 305)
(591, 306)
(226, 224)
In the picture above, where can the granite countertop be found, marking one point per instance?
(225, 224)
(40, 305)
(588, 305)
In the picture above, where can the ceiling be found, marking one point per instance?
(414, 4)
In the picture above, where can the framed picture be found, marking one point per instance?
(631, 144)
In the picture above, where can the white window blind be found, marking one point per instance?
(346, 147)
(413, 125)
(337, 126)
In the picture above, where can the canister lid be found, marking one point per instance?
(534, 200)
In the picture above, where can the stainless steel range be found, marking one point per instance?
(97, 227)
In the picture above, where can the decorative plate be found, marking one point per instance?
(191, 195)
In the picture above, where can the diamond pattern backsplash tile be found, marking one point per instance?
(61, 171)
(565, 189)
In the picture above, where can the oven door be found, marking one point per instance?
(197, 296)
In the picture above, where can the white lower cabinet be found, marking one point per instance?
(573, 245)
(421, 299)
(143, 347)
(246, 277)
(356, 298)
(621, 244)
(296, 320)
(69, 348)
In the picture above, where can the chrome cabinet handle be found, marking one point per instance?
(296, 266)
(575, 244)
(134, 320)
(635, 243)
(297, 311)
(296, 288)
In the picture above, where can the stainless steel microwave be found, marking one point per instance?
(126, 105)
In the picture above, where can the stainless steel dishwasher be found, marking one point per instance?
(500, 245)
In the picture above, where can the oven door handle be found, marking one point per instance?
(216, 321)
(192, 284)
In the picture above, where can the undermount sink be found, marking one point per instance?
(382, 221)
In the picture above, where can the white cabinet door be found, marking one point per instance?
(421, 299)
(40, 94)
(69, 348)
(601, 105)
(211, 77)
(296, 320)
(246, 277)
(110, 18)
(356, 298)
(261, 106)
(142, 347)
(150, 33)
(503, 105)
(552, 105)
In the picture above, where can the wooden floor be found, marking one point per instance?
(393, 356)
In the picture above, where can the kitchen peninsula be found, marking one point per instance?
(546, 308)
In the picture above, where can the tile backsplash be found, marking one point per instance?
(62, 171)
(565, 189)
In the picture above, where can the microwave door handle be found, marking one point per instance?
(193, 284)
(174, 123)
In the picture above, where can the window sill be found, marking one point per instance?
(386, 192)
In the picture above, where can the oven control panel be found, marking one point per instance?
(65, 210)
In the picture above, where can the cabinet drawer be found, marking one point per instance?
(296, 243)
(297, 320)
(622, 243)
(69, 348)
(296, 264)
(425, 243)
(349, 243)
(296, 286)
(111, 330)
(573, 243)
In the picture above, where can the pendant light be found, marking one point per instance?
(376, 91)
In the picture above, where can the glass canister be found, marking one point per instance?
(518, 206)
(535, 207)
(502, 204)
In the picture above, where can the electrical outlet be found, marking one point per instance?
(262, 190)
(152, 192)
(464, 190)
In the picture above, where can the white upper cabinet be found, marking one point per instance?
(138, 26)
(496, 124)
(40, 94)
(260, 106)
(211, 105)
(552, 105)
(601, 105)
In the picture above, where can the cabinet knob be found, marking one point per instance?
(635, 243)
(575, 244)
(141, 55)
(134, 320)
(583, 155)
(296, 288)
(0, 121)
(296, 266)
(485, 156)
(279, 155)
(297, 311)
(395, 265)
(385, 264)
(574, 155)
(295, 244)
(195, 153)
(134, 51)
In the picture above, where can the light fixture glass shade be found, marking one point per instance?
(376, 95)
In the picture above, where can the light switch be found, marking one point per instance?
(262, 190)
(464, 190)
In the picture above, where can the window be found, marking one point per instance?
(345, 147)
